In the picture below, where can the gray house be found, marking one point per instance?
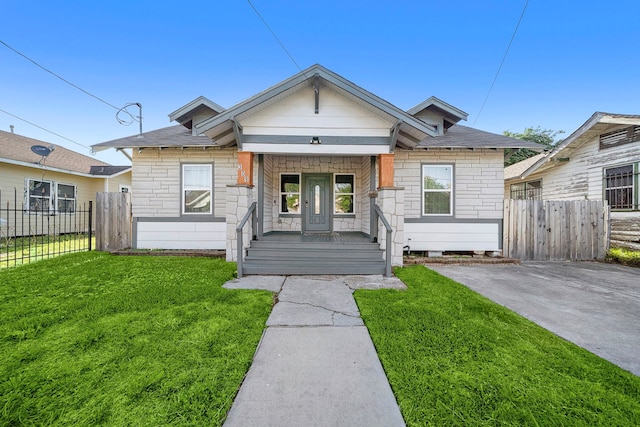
(326, 168)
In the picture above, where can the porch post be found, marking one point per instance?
(238, 200)
(245, 168)
(391, 202)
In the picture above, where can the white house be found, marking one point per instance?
(599, 161)
(317, 154)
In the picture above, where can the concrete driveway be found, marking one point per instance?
(594, 305)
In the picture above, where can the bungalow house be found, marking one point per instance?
(323, 164)
(49, 179)
(599, 161)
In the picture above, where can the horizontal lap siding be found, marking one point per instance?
(452, 236)
(181, 235)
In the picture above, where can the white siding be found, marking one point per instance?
(452, 236)
(295, 115)
(181, 235)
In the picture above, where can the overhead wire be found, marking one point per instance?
(504, 57)
(58, 76)
(45, 129)
(274, 35)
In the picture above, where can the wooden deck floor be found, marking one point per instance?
(292, 236)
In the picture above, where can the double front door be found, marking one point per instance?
(316, 200)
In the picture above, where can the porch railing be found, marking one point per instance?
(251, 213)
(387, 253)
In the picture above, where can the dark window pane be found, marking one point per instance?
(437, 203)
(290, 183)
(197, 201)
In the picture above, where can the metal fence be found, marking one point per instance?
(29, 235)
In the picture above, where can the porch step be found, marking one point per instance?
(291, 257)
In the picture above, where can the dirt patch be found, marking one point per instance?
(458, 260)
(173, 252)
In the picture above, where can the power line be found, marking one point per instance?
(274, 34)
(61, 78)
(45, 129)
(502, 62)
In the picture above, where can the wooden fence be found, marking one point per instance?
(556, 230)
(625, 233)
(113, 221)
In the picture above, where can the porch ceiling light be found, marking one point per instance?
(315, 140)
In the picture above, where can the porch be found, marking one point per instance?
(287, 253)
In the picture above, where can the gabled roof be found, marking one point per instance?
(452, 114)
(459, 136)
(317, 74)
(16, 149)
(172, 136)
(598, 123)
(201, 105)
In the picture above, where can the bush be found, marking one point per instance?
(624, 257)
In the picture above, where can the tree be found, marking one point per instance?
(544, 137)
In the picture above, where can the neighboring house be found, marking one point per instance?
(599, 161)
(61, 182)
(316, 152)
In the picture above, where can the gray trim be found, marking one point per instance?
(134, 232)
(440, 104)
(325, 140)
(237, 130)
(453, 190)
(189, 107)
(260, 195)
(395, 130)
(303, 192)
(213, 195)
(316, 89)
(201, 218)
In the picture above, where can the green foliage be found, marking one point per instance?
(455, 358)
(623, 256)
(91, 339)
(545, 137)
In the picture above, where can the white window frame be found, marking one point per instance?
(28, 196)
(287, 193)
(208, 187)
(352, 194)
(451, 191)
(58, 198)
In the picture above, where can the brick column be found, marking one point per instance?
(391, 202)
(238, 200)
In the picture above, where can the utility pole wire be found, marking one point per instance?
(274, 34)
(44, 129)
(502, 62)
(61, 78)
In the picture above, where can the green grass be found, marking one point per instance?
(455, 358)
(90, 339)
(624, 256)
(23, 250)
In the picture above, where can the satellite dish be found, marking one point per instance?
(41, 150)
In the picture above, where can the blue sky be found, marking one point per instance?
(568, 59)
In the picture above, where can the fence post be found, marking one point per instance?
(90, 221)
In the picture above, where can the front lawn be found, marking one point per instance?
(455, 358)
(89, 339)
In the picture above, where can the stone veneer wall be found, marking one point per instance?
(276, 165)
(156, 179)
(238, 199)
(478, 186)
(391, 202)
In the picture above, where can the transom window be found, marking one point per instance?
(530, 190)
(620, 187)
(197, 183)
(290, 193)
(437, 189)
(343, 193)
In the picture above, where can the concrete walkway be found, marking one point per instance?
(316, 364)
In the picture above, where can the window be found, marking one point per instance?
(619, 187)
(197, 189)
(66, 198)
(290, 193)
(39, 195)
(531, 190)
(343, 194)
(437, 189)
